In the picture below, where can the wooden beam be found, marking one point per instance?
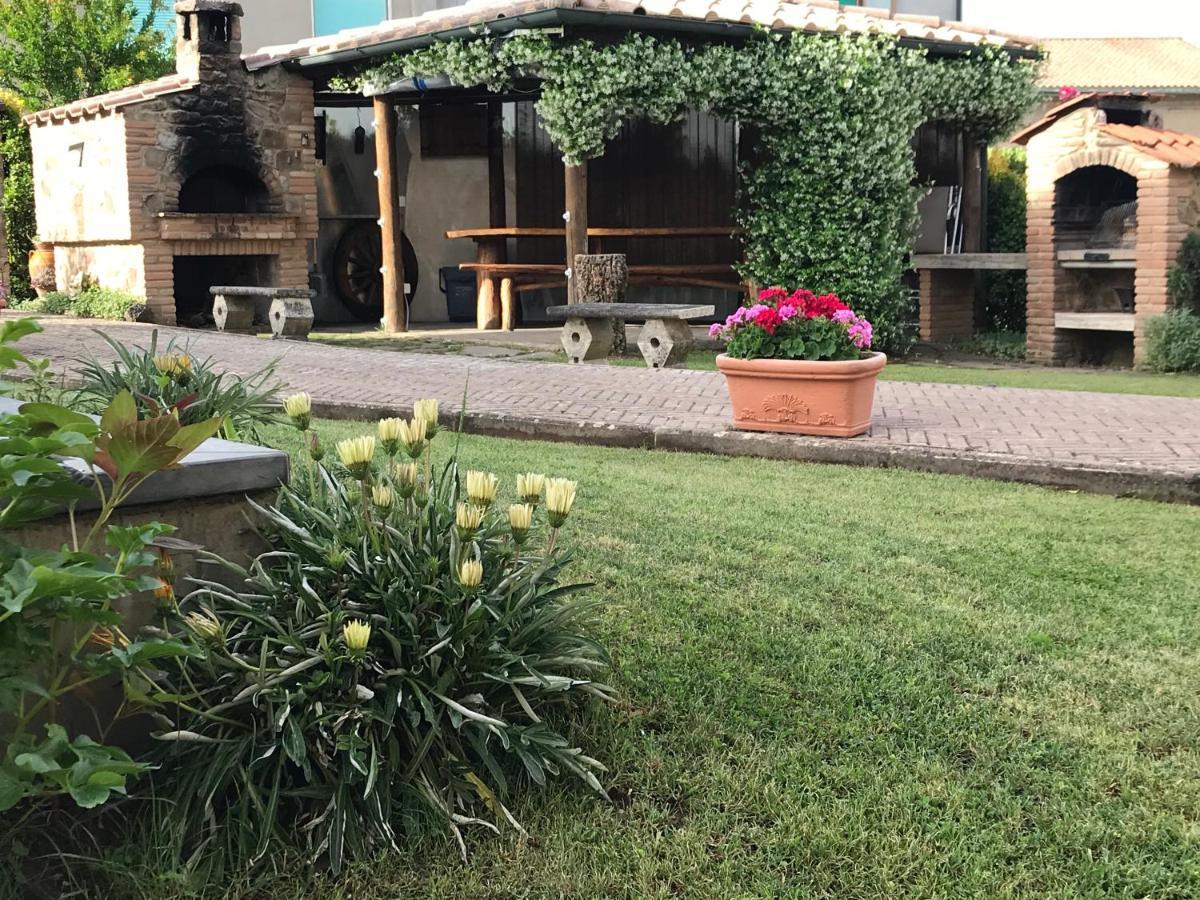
(496, 198)
(575, 219)
(391, 222)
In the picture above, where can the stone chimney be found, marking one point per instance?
(208, 36)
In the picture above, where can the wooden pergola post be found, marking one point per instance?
(575, 219)
(391, 217)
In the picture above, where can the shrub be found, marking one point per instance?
(1173, 342)
(162, 378)
(92, 302)
(59, 632)
(1183, 281)
(1005, 292)
(403, 654)
(999, 344)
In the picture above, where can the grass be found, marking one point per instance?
(1000, 373)
(843, 682)
(1110, 381)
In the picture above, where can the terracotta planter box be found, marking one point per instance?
(832, 399)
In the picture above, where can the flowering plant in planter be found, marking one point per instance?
(797, 325)
(800, 364)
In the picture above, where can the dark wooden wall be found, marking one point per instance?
(680, 174)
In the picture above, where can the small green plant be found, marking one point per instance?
(92, 302)
(1183, 281)
(998, 344)
(1173, 342)
(406, 653)
(59, 632)
(165, 377)
(1005, 292)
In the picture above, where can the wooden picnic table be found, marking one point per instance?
(501, 280)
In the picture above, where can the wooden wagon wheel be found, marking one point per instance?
(356, 275)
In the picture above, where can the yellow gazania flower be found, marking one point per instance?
(298, 405)
(206, 626)
(382, 496)
(356, 634)
(529, 487)
(560, 497)
(468, 518)
(427, 411)
(470, 574)
(405, 476)
(165, 593)
(174, 365)
(412, 435)
(520, 519)
(481, 488)
(389, 434)
(356, 454)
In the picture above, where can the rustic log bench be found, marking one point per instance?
(239, 309)
(664, 341)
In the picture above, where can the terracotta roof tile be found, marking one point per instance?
(1172, 147)
(813, 15)
(90, 106)
(1055, 113)
(1099, 63)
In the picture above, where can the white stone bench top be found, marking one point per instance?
(629, 311)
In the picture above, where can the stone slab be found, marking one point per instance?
(216, 467)
(629, 311)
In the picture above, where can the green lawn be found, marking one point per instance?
(1114, 381)
(842, 682)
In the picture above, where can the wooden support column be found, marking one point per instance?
(575, 219)
(497, 214)
(974, 211)
(391, 217)
(488, 297)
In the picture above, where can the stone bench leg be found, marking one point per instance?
(291, 318)
(587, 339)
(665, 342)
(234, 314)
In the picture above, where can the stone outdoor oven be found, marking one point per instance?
(1110, 198)
(201, 178)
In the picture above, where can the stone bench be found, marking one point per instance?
(239, 309)
(665, 339)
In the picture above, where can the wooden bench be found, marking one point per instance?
(665, 339)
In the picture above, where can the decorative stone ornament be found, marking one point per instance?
(587, 339)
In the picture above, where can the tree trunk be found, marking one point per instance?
(602, 278)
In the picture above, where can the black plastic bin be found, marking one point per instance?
(459, 288)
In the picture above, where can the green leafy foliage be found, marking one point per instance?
(170, 378)
(59, 632)
(1173, 341)
(1183, 281)
(93, 302)
(354, 685)
(827, 198)
(1005, 291)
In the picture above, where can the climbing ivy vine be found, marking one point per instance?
(828, 200)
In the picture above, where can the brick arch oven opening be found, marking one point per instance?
(1095, 236)
(223, 189)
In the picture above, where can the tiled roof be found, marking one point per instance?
(814, 16)
(1099, 63)
(90, 106)
(1169, 146)
(1055, 113)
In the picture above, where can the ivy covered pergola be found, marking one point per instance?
(828, 101)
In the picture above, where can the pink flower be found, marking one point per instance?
(1066, 93)
(715, 329)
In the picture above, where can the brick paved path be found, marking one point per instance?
(1123, 444)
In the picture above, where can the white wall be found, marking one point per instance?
(268, 22)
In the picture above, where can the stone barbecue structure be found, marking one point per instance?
(1110, 198)
(201, 178)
